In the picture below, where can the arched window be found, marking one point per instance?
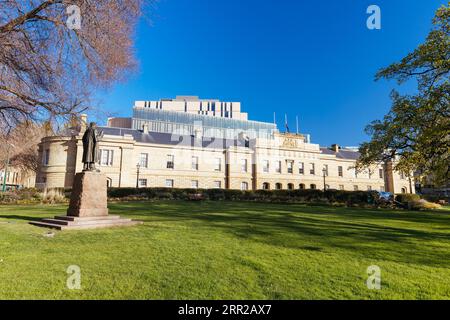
(278, 186)
(108, 182)
(313, 186)
(290, 186)
(404, 190)
(266, 186)
(302, 186)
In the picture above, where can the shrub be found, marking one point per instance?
(423, 205)
(407, 197)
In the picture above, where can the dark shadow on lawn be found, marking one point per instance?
(15, 217)
(297, 226)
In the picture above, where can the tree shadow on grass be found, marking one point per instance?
(374, 234)
(16, 217)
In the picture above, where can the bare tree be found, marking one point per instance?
(49, 66)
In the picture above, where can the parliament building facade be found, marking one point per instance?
(189, 142)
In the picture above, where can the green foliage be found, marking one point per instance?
(298, 196)
(416, 131)
(407, 197)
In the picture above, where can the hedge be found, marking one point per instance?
(305, 195)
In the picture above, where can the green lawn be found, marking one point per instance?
(229, 250)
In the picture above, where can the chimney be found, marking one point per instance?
(335, 147)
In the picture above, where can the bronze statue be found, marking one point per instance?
(91, 138)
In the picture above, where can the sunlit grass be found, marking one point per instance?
(229, 250)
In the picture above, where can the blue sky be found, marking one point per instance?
(314, 59)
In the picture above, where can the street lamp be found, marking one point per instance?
(7, 164)
(138, 167)
(324, 176)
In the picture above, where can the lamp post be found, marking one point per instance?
(324, 177)
(138, 167)
(6, 165)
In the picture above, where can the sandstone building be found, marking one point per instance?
(189, 142)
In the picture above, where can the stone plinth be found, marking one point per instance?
(89, 196)
(88, 206)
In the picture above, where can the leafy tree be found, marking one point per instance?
(415, 134)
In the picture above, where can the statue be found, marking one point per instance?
(91, 138)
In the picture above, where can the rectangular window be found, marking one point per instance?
(143, 183)
(194, 163)
(244, 165)
(290, 166)
(369, 173)
(266, 166)
(369, 188)
(382, 189)
(143, 160)
(46, 157)
(244, 186)
(218, 164)
(169, 183)
(380, 173)
(325, 170)
(312, 169)
(278, 167)
(301, 168)
(356, 173)
(106, 157)
(194, 184)
(170, 161)
(341, 187)
(217, 184)
(340, 171)
(355, 188)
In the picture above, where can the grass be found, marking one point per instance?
(229, 250)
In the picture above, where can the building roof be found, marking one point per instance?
(174, 139)
(342, 153)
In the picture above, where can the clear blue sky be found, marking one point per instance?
(316, 59)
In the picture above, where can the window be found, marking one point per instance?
(266, 166)
(194, 163)
(356, 173)
(143, 183)
(290, 186)
(369, 188)
(194, 184)
(218, 164)
(143, 160)
(355, 188)
(244, 165)
(325, 170)
(278, 186)
(381, 174)
(278, 167)
(341, 187)
(244, 186)
(301, 168)
(382, 189)
(403, 190)
(170, 161)
(266, 186)
(327, 187)
(340, 171)
(217, 184)
(370, 173)
(290, 166)
(402, 176)
(313, 187)
(106, 157)
(302, 186)
(46, 157)
(169, 183)
(312, 168)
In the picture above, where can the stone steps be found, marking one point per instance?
(79, 223)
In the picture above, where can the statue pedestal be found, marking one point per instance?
(88, 206)
(89, 195)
